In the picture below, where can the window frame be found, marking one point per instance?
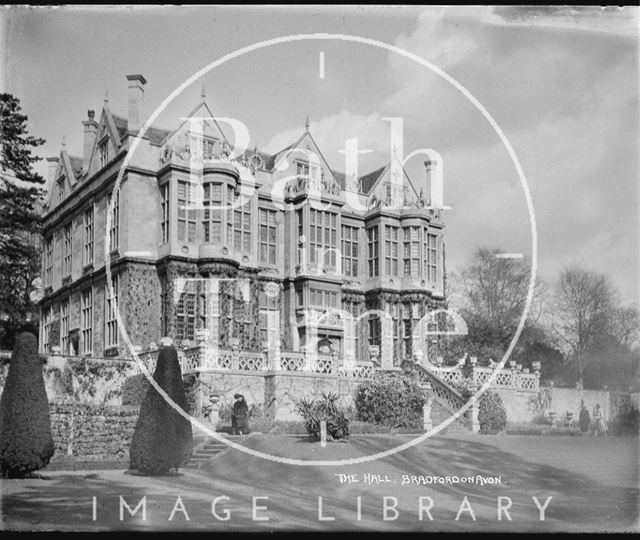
(350, 250)
(270, 243)
(88, 236)
(111, 333)
(67, 249)
(86, 321)
(373, 251)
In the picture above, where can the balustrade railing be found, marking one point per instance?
(201, 358)
(512, 377)
(446, 395)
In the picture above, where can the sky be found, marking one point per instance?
(560, 82)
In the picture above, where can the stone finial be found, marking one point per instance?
(91, 114)
(106, 96)
(202, 334)
(203, 93)
(64, 141)
(307, 124)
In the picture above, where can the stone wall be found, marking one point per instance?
(92, 433)
(568, 399)
(520, 409)
(517, 404)
(141, 305)
(284, 387)
(96, 382)
(275, 390)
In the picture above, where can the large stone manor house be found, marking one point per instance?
(290, 240)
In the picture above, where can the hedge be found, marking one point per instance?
(26, 442)
(163, 439)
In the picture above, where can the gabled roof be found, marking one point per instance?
(113, 128)
(156, 134)
(340, 178)
(201, 107)
(371, 180)
(70, 169)
(368, 180)
(76, 165)
(318, 152)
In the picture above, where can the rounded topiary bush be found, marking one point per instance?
(492, 415)
(134, 389)
(391, 399)
(26, 443)
(163, 439)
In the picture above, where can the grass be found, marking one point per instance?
(526, 428)
(296, 427)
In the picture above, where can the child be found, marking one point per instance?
(600, 424)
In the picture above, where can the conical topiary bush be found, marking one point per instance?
(26, 443)
(163, 439)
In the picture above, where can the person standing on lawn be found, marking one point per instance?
(585, 417)
(240, 415)
(600, 424)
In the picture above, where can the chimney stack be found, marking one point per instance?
(136, 98)
(90, 132)
(434, 185)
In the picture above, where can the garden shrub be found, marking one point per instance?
(390, 399)
(26, 442)
(163, 439)
(627, 419)
(134, 389)
(492, 415)
(314, 411)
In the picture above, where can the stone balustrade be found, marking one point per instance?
(202, 358)
(513, 377)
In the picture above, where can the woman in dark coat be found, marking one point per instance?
(240, 415)
(585, 417)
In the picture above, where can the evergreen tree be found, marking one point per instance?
(26, 443)
(163, 439)
(21, 195)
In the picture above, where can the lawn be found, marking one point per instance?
(593, 485)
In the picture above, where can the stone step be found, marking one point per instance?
(206, 450)
(439, 414)
(209, 451)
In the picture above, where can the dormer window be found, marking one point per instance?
(302, 170)
(60, 186)
(208, 148)
(103, 152)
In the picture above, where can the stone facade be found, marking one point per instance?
(266, 251)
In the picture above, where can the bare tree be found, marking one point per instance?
(490, 293)
(625, 326)
(582, 312)
(495, 289)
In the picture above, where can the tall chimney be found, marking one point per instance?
(136, 98)
(90, 132)
(434, 186)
